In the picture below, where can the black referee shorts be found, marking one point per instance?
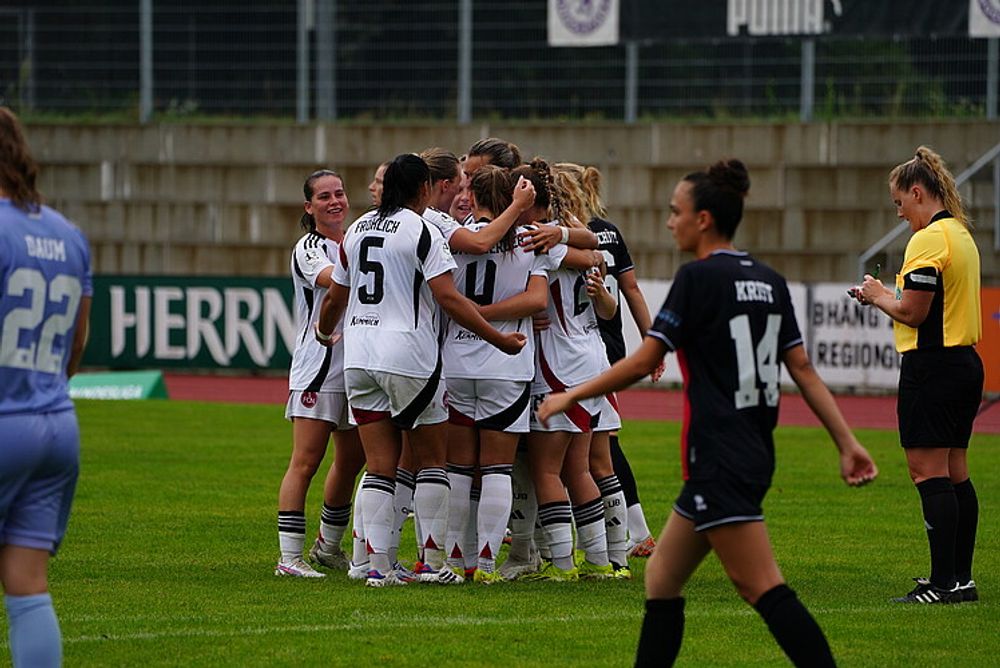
(724, 499)
(939, 395)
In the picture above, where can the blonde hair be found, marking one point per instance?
(568, 180)
(592, 190)
(928, 169)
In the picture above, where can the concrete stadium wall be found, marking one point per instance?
(220, 199)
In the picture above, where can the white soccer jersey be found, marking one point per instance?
(489, 278)
(315, 368)
(444, 222)
(570, 351)
(392, 322)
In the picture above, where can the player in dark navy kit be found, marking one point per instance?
(729, 318)
(45, 296)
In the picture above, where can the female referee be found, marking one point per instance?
(935, 306)
(730, 320)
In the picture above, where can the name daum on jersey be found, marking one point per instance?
(386, 225)
(45, 248)
(754, 291)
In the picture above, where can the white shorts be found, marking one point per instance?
(497, 405)
(325, 406)
(409, 402)
(595, 414)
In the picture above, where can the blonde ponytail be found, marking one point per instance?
(929, 170)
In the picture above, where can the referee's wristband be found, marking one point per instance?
(565, 236)
(321, 336)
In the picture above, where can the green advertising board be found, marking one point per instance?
(191, 322)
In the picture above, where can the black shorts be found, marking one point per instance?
(722, 500)
(939, 395)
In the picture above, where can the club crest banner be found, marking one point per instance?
(984, 18)
(583, 22)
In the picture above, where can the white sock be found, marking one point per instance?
(460, 479)
(615, 519)
(637, 529)
(376, 507)
(556, 522)
(291, 534)
(470, 538)
(402, 504)
(431, 505)
(590, 531)
(333, 524)
(494, 510)
(523, 511)
(359, 553)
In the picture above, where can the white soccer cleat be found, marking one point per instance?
(445, 576)
(512, 569)
(296, 568)
(358, 571)
(376, 579)
(334, 559)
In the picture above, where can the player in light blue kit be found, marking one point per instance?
(45, 294)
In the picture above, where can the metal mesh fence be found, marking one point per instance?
(399, 60)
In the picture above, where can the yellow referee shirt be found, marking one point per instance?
(942, 258)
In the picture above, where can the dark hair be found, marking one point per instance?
(540, 175)
(721, 191)
(442, 163)
(402, 181)
(307, 222)
(18, 170)
(499, 152)
(493, 188)
(928, 169)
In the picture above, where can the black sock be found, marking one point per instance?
(794, 628)
(661, 634)
(624, 473)
(937, 495)
(965, 536)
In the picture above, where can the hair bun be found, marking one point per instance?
(731, 174)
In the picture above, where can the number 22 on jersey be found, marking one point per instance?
(40, 354)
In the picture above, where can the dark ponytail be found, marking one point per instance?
(18, 170)
(721, 191)
(401, 184)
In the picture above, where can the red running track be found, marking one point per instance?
(639, 404)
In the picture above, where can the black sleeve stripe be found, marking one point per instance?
(424, 245)
(926, 279)
(295, 263)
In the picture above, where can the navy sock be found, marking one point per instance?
(965, 537)
(661, 634)
(937, 496)
(794, 628)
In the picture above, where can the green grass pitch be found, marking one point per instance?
(169, 557)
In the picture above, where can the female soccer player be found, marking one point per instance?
(375, 187)
(935, 306)
(621, 282)
(393, 267)
(317, 403)
(730, 320)
(45, 297)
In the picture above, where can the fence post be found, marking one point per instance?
(145, 60)
(631, 80)
(465, 62)
(807, 80)
(326, 60)
(302, 62)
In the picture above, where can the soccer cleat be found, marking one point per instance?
(643, 548)
(403, 573)
(621, 572)
(552, 573)
(512, 569)
(589, 571)
(927, 594)
(968, 590)
(334, 559)
(358, 571)
(297, 568)
(482, 577)
(444, 576)
(376, 579)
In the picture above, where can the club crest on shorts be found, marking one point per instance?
(309, 399)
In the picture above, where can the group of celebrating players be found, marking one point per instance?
(435, 323)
